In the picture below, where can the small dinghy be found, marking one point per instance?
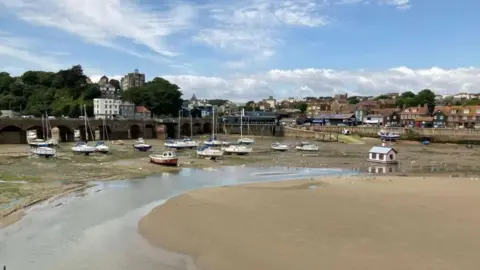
(279, 147)
(246, 141)
(167, 158)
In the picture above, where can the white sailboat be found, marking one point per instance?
(239, 149)
(100, 146)
(213, 140)
(185, 143)
(42, 147)
(207, 150)
(83, 147)
(279, 147)
(243, 140)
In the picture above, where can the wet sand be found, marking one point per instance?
(356, 222)
(27, 179)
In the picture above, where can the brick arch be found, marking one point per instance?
(13, 134)
(135, 131)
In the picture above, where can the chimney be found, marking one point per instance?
(404, 106)
(425, 106)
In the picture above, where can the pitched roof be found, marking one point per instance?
(335, 116)
(141, 109)
(381, 150)
(419, 110)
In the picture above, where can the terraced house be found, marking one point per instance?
(463, 116)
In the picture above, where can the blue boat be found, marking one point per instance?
(141, 146)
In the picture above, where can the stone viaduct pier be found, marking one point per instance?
(14, 131)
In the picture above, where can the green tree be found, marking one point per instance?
(250, 105)
(159, 96)
(302, 106)
(217, 102)
(426, 96)
(115, 83)
(353, 100)
(381, 97)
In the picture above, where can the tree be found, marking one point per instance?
(159, 96)
(250, 106)
(426, 96)
(381, 97)
(115, 83)
(196, 113)
(302, 106)
(353, 100)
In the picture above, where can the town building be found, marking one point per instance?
(106, 108)
(347, 119)
(416, 116)
(134, 79)
(127, 110)
(142, 113)
(108, 90)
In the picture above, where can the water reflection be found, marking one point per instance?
(99, 230)
(400, 168)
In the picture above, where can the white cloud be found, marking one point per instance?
(14, 49)
(399, 4)
(104, 22)
(323, 82)
(253, 27)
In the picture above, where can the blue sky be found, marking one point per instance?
(252, 48)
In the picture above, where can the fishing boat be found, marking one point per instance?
(304, 146)
(209, 152)
(388, 136)
(237, 149)
(244, 140)
(83, 147)
(43, 151)
(279, 147)
(167, 158)
(141, 145)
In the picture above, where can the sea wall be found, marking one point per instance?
(435, 134)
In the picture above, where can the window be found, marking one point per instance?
(394, 117)
(391, 156)
(374, 156)
(441, 117)
(381, 156)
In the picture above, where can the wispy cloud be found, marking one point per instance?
(399, 4)
(104, 22)
(23, 49)
(253, 26)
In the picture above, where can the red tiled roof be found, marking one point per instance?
(141, 109)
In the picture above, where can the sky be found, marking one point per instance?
(252, 49)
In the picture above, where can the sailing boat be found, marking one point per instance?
(185, 143)
(238, 149)
(43, 149)
(207, 150)
(213, 140)
(45, 141)
(83, 147)
(100, 145)
(50, 141)
(244, 140)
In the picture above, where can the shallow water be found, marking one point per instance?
(99, 230)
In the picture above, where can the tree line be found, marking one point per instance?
(64, 93)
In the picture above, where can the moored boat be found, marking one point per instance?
(207, 151)
(237, 149)
(246, 141)
(101, 147)
(83, 148)
(307, 147)
(140, 145)
(279, 147)
(167, 158)
(45, 152)
(388, 136)
(180, 144)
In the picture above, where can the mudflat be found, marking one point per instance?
(356, 222)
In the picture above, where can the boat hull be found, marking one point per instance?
(164, 161)
(142, 148)
(279, 149)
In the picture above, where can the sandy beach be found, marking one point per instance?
(356, 222)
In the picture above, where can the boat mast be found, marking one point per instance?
(213, 121)
(179, 121)
(191, 126)
(86, 124)
(241, 125)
